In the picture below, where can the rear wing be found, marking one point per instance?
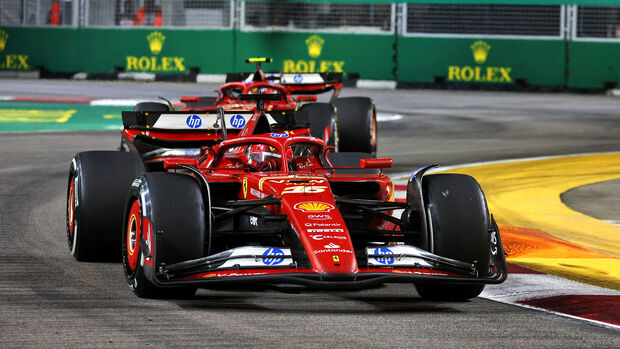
(290, 79)
(198, 121)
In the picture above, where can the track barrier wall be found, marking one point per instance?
(501, 61)
(559, 46)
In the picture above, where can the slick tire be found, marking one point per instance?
(164, 224)
(145, 106)
(151, 106)
(449, 293)
(357, 124)
(96, 193)
(323, 124)
(458, 229)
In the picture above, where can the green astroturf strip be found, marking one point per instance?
(38, 116)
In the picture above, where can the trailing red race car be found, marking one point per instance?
(272, 206)
(348, 124)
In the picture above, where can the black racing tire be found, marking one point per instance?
(450, 293)
(151, 106)
(458, 221)
(167, 212)
(96, 193)
(323, 125)
(357, 124)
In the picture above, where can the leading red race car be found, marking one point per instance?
(272, 206)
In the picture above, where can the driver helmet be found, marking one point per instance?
(259, 154)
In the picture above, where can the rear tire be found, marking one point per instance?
(322, 121)
(172, 225)
(144, 106)
(96, 194)
(357, 124)
(459, 229)
(151, 106)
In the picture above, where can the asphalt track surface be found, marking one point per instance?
(47, 299)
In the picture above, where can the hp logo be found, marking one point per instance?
(298, 78)
(193, 121)
(384, 251)
(237, 121)
(275, 256)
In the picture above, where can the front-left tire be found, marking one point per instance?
(96, 192)
(164, 224)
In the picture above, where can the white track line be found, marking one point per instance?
(595, 322)
(382, 117)
(524, 287)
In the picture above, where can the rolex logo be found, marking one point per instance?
(480, 50)
(315, 45)
(156, 42)
(4, 36)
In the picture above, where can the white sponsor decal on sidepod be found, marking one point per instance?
(333, 250)
(326, 230)
(319, 217)
(313, 224)
(322, 237)
(257, 193)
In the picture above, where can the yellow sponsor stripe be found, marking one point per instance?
(30, 115)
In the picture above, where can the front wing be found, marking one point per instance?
(423, 267)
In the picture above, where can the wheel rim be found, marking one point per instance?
(72, 197)
(71, 208)
(132, 240)
(373, 131)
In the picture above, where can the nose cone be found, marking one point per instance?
(323, 233)
(332, 253)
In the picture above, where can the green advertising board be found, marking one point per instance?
(356, 55)
(554, 63)
(212, 51)
(474, 60)
(107, 50)
(593, 65)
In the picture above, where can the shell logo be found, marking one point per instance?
(314, 206)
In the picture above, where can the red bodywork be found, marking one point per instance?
(307, 199)
(228, 98)
(259, 82)
(293, 170)
(228, 95)
(304, 185)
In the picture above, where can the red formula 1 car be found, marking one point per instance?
(272, 206)
(348, 124)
